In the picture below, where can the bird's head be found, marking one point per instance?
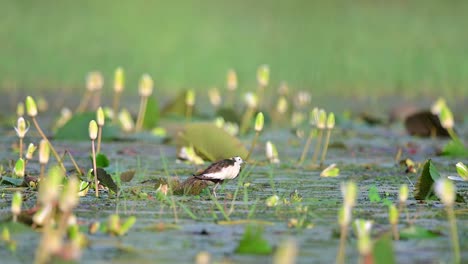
(238, 160)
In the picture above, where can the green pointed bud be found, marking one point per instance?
(344, 216)
(119, 80)
(19, 168)
(446, 191)
(231, 80)
(438, 105)
(322, 119)
(272, 201)
(219, 122)
(20, 109)
(69, 197)
(94, 81)
(6, 234)
(49, 189)
(100, 117)
(314, 116)
(21, 128)
(282, 105)
(271, 152)
(462, 170)
(251, 100)
(331, 120)
(330, 171)
(31, 108)
(93, 130)
(146, 85)
(30, 152)
(446, 118)
(215, 97)
(363, 228)
(44, 152)
(127, 225)
(263, 75)
(113, 224)
(393, 214)
(403, 193)
(349, 191)
(259, 121)
(190, 97)
(16, 203)
(126, 120)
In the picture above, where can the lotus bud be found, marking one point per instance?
(30, 151)
(403, 193)
(146, 86)
(272, 201)
(349, 191)
(322, 119)
(446, 191)
(271, 152)
(16, 203)
(31, 108)
(215, 97)
(113, 224)
(331, 121)
(126, 120)
(65, 115)
(83, 188)
(69, 197)
(20, 109)
(21, 128)
(251, 100)
(94, 81)
(42, 214)
(100, 117)
(263, 75)
(462, 170)
(119, 80)
(259, 120)
(393, 214)
(44, 152)
(314, 117)
(344, 216)
(363, 229)
(282, 105)
(93, 130)
(231, 80)
(446, 118)
(438, 105)
(19, 168)
(190, 97)
(49, 190)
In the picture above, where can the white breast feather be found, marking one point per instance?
(225, 173)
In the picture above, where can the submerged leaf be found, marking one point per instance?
(425, 181)
(252, 242)
(77, 128)
(212, 142)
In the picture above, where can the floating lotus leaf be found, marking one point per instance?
(77, 128)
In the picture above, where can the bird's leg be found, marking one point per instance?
(214, 189)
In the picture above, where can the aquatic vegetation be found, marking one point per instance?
(259, 122)
(364, 240)
(349, 192)
(21, 130)
(119, 85)
(100, 119)
(145, 90)
(93, 132)
(16, 205)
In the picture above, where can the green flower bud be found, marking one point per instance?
(113, 224)
(190, 97)
(344, 216)
(363, 228)
(16, 203)
(259, 121)
(93, 129)
(44, 152)
(94, 81)
(6, 234)
(231, 80)
(438, 105)
(349, 191)
(462, 170)
(30, 151)
(263, 75)
(322, 119)
(119, 80)
(446, 118)
(215, 97)
(126, 120)
(282, 105)
(21, 128)
(331, 121)
(446, 191)
(31, 107)
(272, 201)
(146, 86)
(403, 193)
(393, 214)
(49, 189)
(42, 214)
(314, 116)
(271, 152)
(19, 168)
(100, 117)
(251, 100)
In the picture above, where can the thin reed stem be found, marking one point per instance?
(54, 152)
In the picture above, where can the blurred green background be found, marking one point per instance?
(330, 47)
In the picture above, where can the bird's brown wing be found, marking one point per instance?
(215, 167)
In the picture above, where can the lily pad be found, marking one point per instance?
(211, 142)
(177, 107)
(229, 115)
(253, 242)
(77, 128)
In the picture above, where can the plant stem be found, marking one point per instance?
(317, 146)
(21, 148)
(77, 168)
(340, 259)
(141, 113)
(246, 118)
(95, 169)
(54, 152)
(306, 147)
(254, 142)
(41, 175)
(325, 147)
(99, 139)
(115, 106)
(454, 234)
(453, 135)
(84, 102)
(396, 234)
(260, 90)
(188, 113)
